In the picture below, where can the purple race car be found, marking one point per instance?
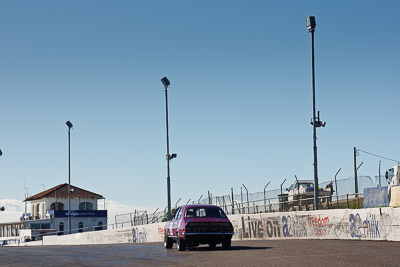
(193, 225)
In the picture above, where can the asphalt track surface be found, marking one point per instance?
(243, 253)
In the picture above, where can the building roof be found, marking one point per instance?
(61, 191)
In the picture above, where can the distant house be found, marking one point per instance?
(49, 210)
(47, 213)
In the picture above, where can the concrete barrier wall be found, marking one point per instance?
(134, 234)
(395, 196)
(368, 224)
(361, 224)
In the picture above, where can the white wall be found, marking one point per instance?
(361, 224)
(136, 234)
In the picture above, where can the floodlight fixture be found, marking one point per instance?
(171, 156)
(165, 82)
(310, 22)
(69, 124)
(319, 123)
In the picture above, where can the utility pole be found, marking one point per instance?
(355, 172)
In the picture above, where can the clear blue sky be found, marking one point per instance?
(240, 98)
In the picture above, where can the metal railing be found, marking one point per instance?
(263, 201)
(279, 205)
(138, 218)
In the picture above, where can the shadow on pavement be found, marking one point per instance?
(233, 248)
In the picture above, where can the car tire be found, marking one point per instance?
(212, 245)
(180, 243)
(226, 244)
(167, 242)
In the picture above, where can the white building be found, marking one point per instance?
(47, 212)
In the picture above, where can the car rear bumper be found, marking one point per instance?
(191, 234)
(206, 238)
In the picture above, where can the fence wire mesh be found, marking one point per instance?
(266, 201)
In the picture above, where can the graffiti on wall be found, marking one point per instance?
(288, 226)
(294, 226)
(139, 236)
(160, 231)
(303, 226)
(258, 228)
(368, 228)
(318, 224)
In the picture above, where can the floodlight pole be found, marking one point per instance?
(311, 27)
(2, 208)
(166, 83)
(69, 124)
(355, 172)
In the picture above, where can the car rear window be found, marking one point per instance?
(204, 212)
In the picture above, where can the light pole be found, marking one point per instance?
(310, 23)
(69, 124)
(169, 156)
(1, 208)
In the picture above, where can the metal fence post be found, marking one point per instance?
(337, 201)
(269, 203)
(248, 203)
(131, 218)
(232, 201)
(265, 204)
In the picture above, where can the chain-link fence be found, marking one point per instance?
(138, 218)
(343, 196)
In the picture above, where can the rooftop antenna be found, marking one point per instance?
(26, 193)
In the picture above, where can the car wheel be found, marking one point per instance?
(212, 245)
(226, 244)
(167, 242)
(180, 244)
